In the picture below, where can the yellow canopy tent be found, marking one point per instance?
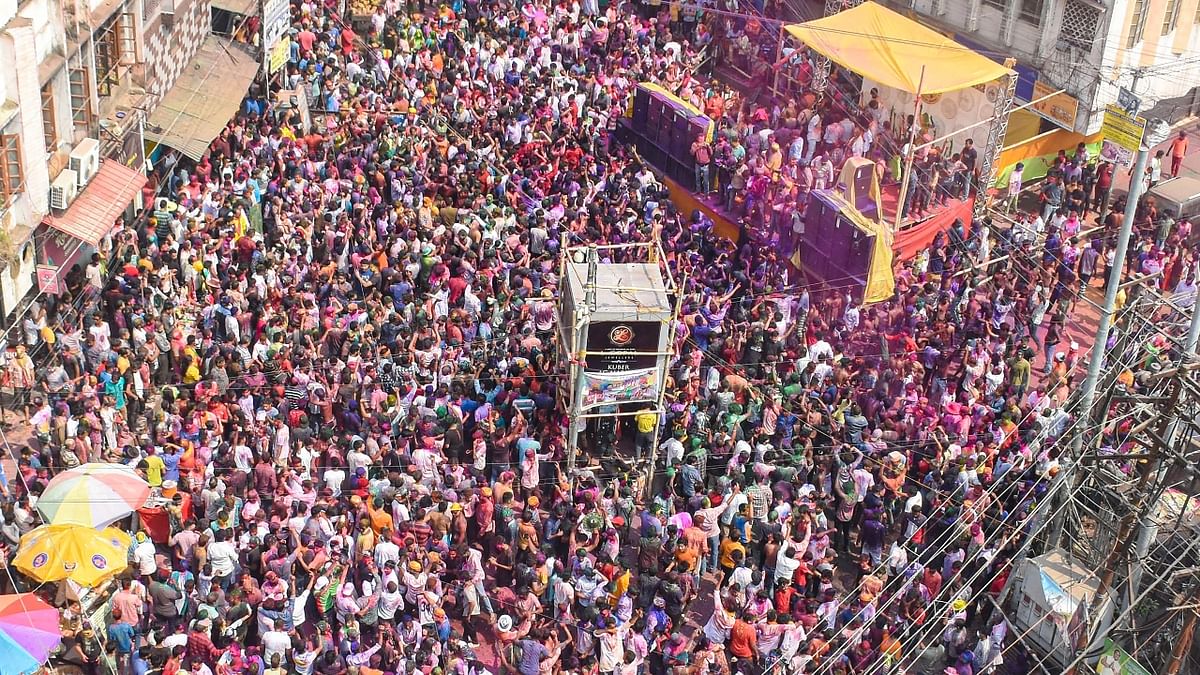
(892, 49)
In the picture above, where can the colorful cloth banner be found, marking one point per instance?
(613, 388)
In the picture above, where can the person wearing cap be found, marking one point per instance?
(200, 647)
(414, 578)
(347, 322)
(164, 597)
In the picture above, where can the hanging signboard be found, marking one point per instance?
(48, 281)
(1128, 101)
(279, 55)
(1121, 136)
(1061, 108)
(617, 346)
(1115, 661)
(276, 15)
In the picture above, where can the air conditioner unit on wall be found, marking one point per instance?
(85, 160)
(64, 189)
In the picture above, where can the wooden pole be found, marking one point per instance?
(912, 151)
(1183, 644)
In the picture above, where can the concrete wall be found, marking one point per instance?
(168, 49)
(22, 37)
(1157, 68)
(31, 35)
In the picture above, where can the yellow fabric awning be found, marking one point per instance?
(203, 99)
(891, 49)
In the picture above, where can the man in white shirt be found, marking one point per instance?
(356, 458)
(672, 449)
(276, 642)
(101, 333)
(386, 550)
(819, 348)
(391, 600)
(333, 478)
(812, 137)
(223, 557)
(94, 277)
(822, 370)
(473, 565)
(243, 457)
(143, 555)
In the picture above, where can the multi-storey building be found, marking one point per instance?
(80, 80)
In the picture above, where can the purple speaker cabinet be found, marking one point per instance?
(641, 109)
(835, 250)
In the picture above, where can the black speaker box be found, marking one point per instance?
(641, 109)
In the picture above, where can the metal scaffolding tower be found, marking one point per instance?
(1132, 514)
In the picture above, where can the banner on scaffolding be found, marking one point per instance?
(613, 388)
(1115, 661)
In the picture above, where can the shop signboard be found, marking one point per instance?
(1060, 108)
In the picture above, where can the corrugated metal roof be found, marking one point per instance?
(95, 211)
(243, 7)
(203, 98)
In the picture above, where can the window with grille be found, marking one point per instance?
(1141, 9)
(1031, 10)
(81, 99)
(108, 57)
(49, 127)
(11, 180)
(1081, 23)
(127, 37)
(1170, 17)
(998, 4)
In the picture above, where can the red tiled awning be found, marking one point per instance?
(94, 212)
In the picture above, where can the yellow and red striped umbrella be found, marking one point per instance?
(93, 495)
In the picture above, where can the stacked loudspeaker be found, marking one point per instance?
(664, 130)
(835, 249)
(863, 190)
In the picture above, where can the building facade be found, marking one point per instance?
(84, 76)
(1142, 53)
(37, 132)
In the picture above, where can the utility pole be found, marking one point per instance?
(1147, 528)
(1087, 399)
(1184, 643)
(1122, 544)
(1088, 396)
(1193, 337)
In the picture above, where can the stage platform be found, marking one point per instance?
(915, 234)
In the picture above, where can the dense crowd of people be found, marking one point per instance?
(338, 343)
